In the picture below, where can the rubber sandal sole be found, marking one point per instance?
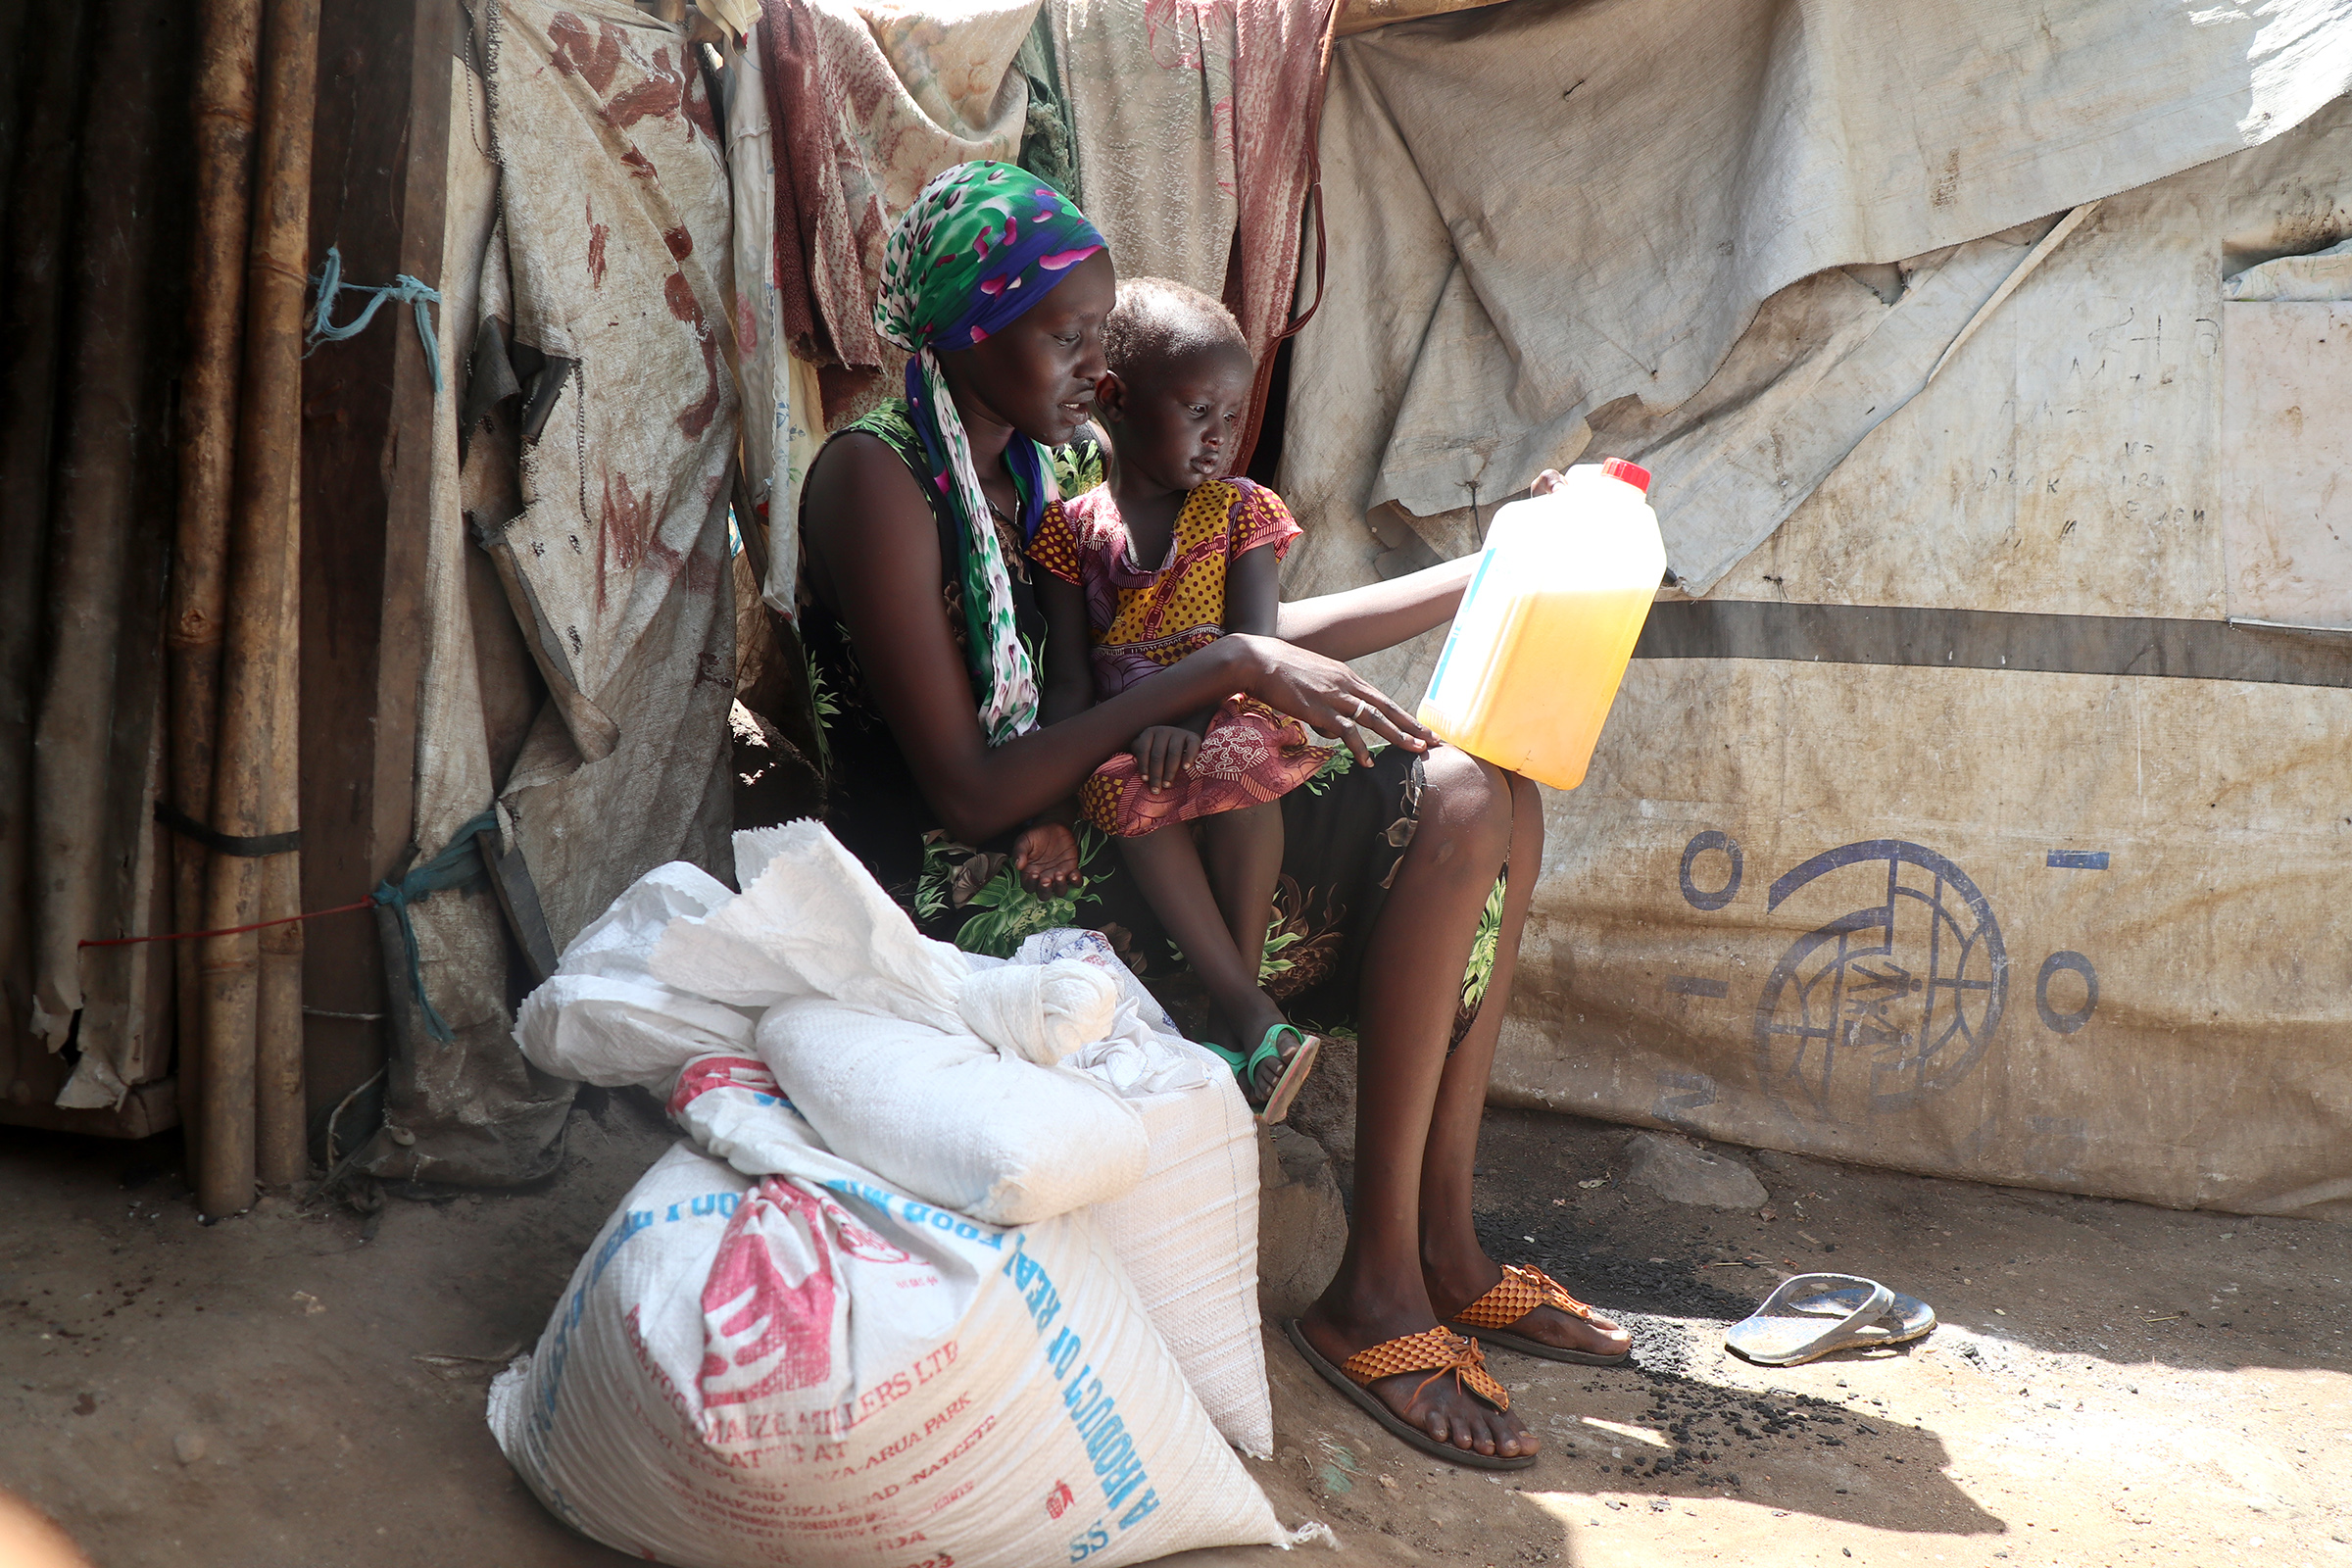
(1410, 1436)
(1294, 1078)
(1777, 1333)
(1505, 1339)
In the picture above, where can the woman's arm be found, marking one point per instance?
(1356, 621)
(1365, 620)
(875, 554)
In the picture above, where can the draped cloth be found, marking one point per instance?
(866, 105)
(1195, 144)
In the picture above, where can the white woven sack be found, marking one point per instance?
(816, 1368)
(1188, 1230)
(944, 1081)
(950, 1118)
(1184, 1222)
(602, 1018)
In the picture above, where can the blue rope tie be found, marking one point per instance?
(461, 864)
(403, 290)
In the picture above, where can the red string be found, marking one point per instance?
(368, 902)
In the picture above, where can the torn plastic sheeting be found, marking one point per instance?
(2316, 277)
(1456, 351)
(2157, 839)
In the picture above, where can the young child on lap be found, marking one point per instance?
(1164, 559)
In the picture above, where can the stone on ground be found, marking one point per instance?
(1680, 1172)
(1302, 1224)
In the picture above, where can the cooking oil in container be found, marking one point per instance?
(1548, 623)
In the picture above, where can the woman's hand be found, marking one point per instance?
(1547, 482)
(1323, 694)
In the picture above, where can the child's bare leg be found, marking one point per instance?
(1242, 854)
(1167, 867)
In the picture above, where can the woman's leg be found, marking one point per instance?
(1455, 1269)
(1412, 981)
(1242, 854)
(1166, 864)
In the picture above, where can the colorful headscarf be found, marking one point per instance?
(982, 243)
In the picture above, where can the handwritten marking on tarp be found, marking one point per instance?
(1679, 1094)
(2077, 860)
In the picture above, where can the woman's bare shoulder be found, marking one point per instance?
(865, 526)
(859, 465)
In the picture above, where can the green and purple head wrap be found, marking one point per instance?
(982, 243)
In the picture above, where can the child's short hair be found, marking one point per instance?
(1156, 318)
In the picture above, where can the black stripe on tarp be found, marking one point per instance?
(1995, 639)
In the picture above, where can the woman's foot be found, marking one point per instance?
(1453, 1289)
(1438, 1405)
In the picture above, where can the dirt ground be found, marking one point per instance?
(2112, 1384)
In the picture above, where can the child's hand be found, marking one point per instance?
(1164, 751)
(1046, 853)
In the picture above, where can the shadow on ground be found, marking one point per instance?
(2116, 1281)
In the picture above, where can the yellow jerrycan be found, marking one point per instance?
(1544, 631)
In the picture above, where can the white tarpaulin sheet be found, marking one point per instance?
(1542, 209)
(1964, 824)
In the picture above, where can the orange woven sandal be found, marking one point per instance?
(1518, 1292)
(1436, 1351)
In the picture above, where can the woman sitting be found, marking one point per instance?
(925, 640)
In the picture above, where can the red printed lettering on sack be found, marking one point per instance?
(938, 1361)
(1059, 1500)
(886, 1393)
(963, 1402)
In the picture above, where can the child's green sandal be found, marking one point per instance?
(1299, 1062)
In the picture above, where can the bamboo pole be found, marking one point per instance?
(228, 44)
(266, 540)
(281, 1152)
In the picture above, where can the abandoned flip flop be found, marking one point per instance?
(1519, 1291)
(1435, 1351)
(1810, 1315)
(1905, 1319)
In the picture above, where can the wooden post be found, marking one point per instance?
(228, 47)
(32, 304)
(265, 571)
(90, 763)
(378, 168)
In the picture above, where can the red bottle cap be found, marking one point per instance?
(1632, 473)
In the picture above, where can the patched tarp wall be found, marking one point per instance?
(579, 622)
(1958, 826)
